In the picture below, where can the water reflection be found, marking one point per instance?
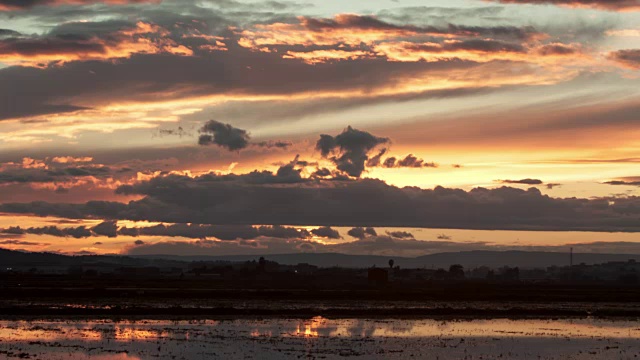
(317, 336)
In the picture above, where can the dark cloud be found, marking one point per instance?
(224, 135)
(239, 199)
(232, 139)
(400, 234)
(552, 185)
(623, 182)
(26, 4)
(361, 233)
(238, 71)
(23, 243)
(611, 5)
(8, 33)
(138, 242)
(274, 144)
(629, 58)
(326, 232)
(376, 159)
(75, 232)
(106, 228)
(367, 22)
(409, 161)
(522, 181)
(349, 150)
(557, 49)
(475, 45)
(16, 173)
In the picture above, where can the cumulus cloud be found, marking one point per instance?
(349, 150)
(254, 198)
(400, 234)
(231, 138)
(224, 135)
(326, 232)
(409, 161)
(106, 228)
(361, 233)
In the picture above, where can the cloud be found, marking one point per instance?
(629, 180)
(349, 150)
(75, 232)
(232, 138)
(92, 41)
(326, 232)
(409, 161)
(400, 234)
(23, 243)
(6, 5)
(265, 198)
(274, 144)
(224, 135)
(610, 5)
(552, 185)
(235, 56)
(106, 228)
(522, 181)
(361, 233)
(629, 58)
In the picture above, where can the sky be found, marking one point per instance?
(397, 127)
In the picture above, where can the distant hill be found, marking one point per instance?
(14, 259)
(468, 259)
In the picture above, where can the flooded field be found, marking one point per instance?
(320, 338)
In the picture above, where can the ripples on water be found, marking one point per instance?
(321, 338)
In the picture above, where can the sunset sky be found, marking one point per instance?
(399, 127)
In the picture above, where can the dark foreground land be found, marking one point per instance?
(463, 299)
(127, 287)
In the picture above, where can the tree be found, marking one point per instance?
(456, 271)
(391, 262)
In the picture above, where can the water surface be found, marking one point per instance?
(321, 338)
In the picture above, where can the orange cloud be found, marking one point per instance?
(144, 38)
(351, 37)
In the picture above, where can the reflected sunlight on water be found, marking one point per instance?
(318, 336)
